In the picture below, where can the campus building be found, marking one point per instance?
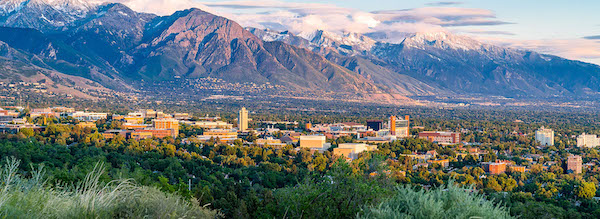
(314, 142)
(494, 168)
(574, 164)
(545, 136)
(446, 138)
(351, 150)
(590, 141)
(400, 127)
(243, 120)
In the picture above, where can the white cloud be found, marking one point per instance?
(576, 49)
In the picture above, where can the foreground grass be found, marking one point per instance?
(448, 201)
(30, 197)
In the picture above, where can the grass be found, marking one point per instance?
(449, 201)
(31, 197)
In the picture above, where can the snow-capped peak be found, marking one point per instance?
(72, 7)
(442, 40)
(7, 6)
(328, 39)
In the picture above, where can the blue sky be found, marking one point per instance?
(558, 27)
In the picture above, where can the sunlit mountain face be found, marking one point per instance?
(118, 47)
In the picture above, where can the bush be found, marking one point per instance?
(22, 197)
(443, 202)
(340, 193)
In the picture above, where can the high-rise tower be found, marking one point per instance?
(243, 120)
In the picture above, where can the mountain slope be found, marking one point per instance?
(18, 66)
(115, 46)
(465, 65)
(121, 49)
(55, 55)
(43, 15)
(446, 64)
(194, 43)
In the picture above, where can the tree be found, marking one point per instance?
(28, 132)
(493, 185)
(586, 190)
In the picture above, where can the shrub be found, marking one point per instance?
(448, 201)
(22, 197)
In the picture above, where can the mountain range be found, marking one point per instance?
(118, 48)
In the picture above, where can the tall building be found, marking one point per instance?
(399, 127)
(243, 120)
(590, 141)
(376, 125)
(308, 126)
(574, 164)
(545, 136)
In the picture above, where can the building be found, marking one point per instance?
(135, 126)
(83, 125)
(243, 120)
(445, 138)
(400, 127)
(181, 116)
(590, 141)
(289, 139)
(314, 142)
(160, 133)
(8, 113)
(134, 120)
(307, 126)
(377, 140)
(140, 135)
(224, 135)
(375, 125)
(270, 141)
(45, 112)
(494, 168)
(15, 127)
(351, 150)
(169, 124)
(210, 124)
(444, 163)
(545, 136)
(165, 124)
(574, 164)
(148, 113)
(109, 134)
(267, 141)
(85, 116)
(519, 169)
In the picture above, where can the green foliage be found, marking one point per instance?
(22, 197)
(337, 194)
(586, 190)
(448, 201)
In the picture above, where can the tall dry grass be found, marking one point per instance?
(31, 197)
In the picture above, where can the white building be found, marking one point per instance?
(243, 120)
(545, 136)
(590, 141)
(86, 116)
